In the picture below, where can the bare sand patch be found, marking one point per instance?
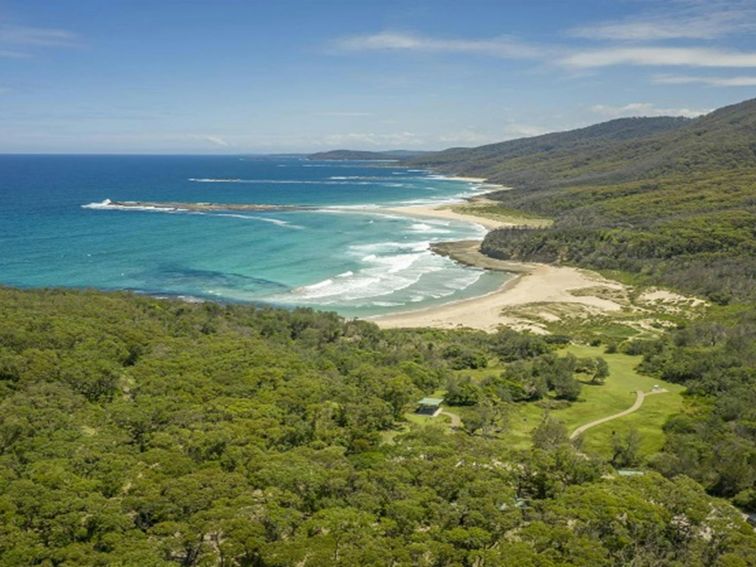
(446, 212)
(537, 283)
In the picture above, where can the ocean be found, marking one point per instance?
(345, 253)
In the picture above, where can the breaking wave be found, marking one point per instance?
(108, 205)
(392, 274)
(330, 181)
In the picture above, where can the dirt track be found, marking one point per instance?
(639, 398)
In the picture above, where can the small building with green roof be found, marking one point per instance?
(429, 406)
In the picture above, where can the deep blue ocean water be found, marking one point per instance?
(348, 256)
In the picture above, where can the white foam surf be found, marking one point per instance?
(383, 275)
(428, 228)
(393, 273)
(354, 181)
(278, 222)
(108, 205)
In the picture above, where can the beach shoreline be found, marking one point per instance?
(445, 211)
(531, 284)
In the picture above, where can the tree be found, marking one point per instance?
(399, 391)
(549, 434)
(524, 382)
(558, 372)
(510, 345)
(601, 371)
(462, 392)
(625, 451)
(566, 387)
(485, 417)
(460, 358)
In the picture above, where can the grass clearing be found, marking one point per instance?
(412, 419)
(417, 419)
(597, 401)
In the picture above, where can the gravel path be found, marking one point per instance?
(639, 398)
(455, 420)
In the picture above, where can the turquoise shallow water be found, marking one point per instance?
(56, 229)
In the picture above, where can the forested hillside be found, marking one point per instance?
(616, 151)
(675, 208)
(693, 232)
(531, 161)
(137, 431)
(684, 216)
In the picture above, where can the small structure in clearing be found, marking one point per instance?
(429, 406)
(630, 472)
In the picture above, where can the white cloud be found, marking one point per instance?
(509, 131)
(524, 130)
(465, 138)
(643, 109)
(649, 30)
(373, 140)
(338, 114)
(15, 41)
(399, 140)
(508, 48)
(504, 47)
(692, 20)
(683, 56)
(7, 54)
(711, 81)
(33, 36)
(217, 140)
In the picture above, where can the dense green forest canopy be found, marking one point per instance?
(660, 201)
(688, 223)
(138, 431)
(671, 199)
(694, 232)
(617, 151)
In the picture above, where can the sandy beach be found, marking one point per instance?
(446, 212)
(531, 285)
(542, 284)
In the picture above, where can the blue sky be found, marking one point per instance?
(233, 76)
